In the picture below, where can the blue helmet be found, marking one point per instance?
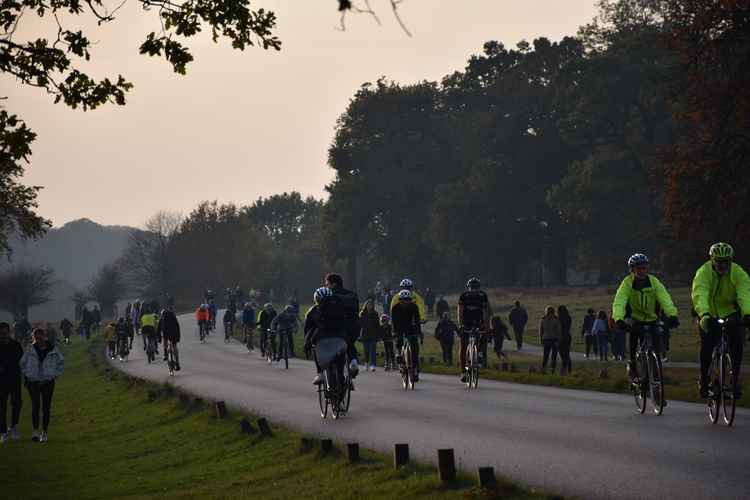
(637, 259)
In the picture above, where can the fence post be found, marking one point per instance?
(326, 445)
(352, 451)
(446, 465)
(400, 455)
(265, 429)
(487, 477)
(221, 410)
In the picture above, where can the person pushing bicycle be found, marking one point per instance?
(473, 312)
(637, 299)
(721, 290)
(407, 326)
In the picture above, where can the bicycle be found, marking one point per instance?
(203, 330)
(283, 348)
(407, 367)
(335, 391)
(721, 389)
(228, 331)
(123, 350)
(271, 346)
(248, 338)
(649, 383)
(151, 348)
(473, 363)
(173, 360)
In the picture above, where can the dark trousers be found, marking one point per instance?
(519, 336)
(40, 392)
(638, 335)
(447, 348)
(390, 356)
(13, 392)
(567, 364)
(589, 339)
(550, 349)
(736, 347)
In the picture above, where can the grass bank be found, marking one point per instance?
(113, 436)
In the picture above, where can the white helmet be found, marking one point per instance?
(404, 295)
(407, 283)
(321, 293)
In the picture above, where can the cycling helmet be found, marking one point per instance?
(721, 251)
(268, 306)
(637, 259)
(404, 295)
(321, 293)
(385, 318)
(407, 283)
(202, 307)
(473, 284)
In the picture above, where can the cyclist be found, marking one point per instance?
(169, 330)
(265, 318)
(213, 310)
(473, 312)
(228, 321)
(286, 321)
(148, 328)
(350, 303)
(123, 336)
(408, 284)
(327, 319)
(203, 317)
(407, 327)
(721, 289)
(639, 297)
(248, 324)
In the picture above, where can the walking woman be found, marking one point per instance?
(370, 321)
(566, 322)
(601, 331)
(41, 365)
(549, 334)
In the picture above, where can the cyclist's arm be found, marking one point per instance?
(701, 291)
(742, 286)
(664, 299)
(620, 303)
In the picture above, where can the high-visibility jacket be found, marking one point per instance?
(417, 299)
(642, 302)
(721, 296)
(201, 314)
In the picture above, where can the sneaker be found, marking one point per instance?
(14, 434)
(372, 368)
(4, 438)
(464, 378)
(43, 437)
(35, 436)
(318, 379)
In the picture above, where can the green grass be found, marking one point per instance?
(113, 436)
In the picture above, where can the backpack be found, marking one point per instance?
(333, 313)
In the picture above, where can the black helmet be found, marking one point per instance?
(473, 284)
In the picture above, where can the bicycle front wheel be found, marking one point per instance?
(728, 401)
(656, 383)
(714, 389)
(639, 388)
(285, 351)
(322, 397)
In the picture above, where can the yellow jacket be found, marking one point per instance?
(417, 300)
(642, 302)
(721, 296)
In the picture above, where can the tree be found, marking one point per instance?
(149, 259)
(23, 287)
(108, 286)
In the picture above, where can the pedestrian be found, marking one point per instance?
(96, 319)
(550, 332)
(586, 331)
(566, 339)
(442, 307)
(518, 319)
(110, 337)
(11, 353)
(445, 333)
(41, 364)
(370, 333)
(386, 333)
(499, 334)
(67, 329)
(429, 300)
(86, 320)
(601, 330)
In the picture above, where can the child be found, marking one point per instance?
(110, 338)
(499, 334)
(386, 333)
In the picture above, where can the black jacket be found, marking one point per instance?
(10, 357)
(169, 327)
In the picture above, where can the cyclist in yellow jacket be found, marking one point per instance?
(721, 289)
(407, 284)
(637, 298)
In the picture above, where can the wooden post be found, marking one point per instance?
(246, 427)
(446, 465)
(487, 477)
(265, 429)
(221, 410)
(352, 451)
(400, 455)
(326, 445)
(305, 444)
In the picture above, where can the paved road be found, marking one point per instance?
(586, 444)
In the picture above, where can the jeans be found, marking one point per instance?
(519, 336)
(550, 349)
(589, 339)
(370, 351)
(567, 364)
(40, 392)
(13, 392)
(602, 342)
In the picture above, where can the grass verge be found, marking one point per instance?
(113, 436)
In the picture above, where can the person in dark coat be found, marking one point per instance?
(67, 329)
(565, 339)
(445, 332)
(429, 300)
(518, 319)
(10, 384)
(86, 322)
(442, 307)
(169, 329)
(499, 334)
(587, 332)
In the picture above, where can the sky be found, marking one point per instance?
(241, 125)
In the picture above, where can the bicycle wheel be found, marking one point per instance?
(322, 395)
(335, 393)
(728, 401)
(639, 391)
(467, 369)
(406, 354)
(656, 383)
(347, 399)
(285, 351)
(714, 389)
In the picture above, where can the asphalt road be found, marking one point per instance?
(578, 443)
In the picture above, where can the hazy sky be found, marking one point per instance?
(241, 125)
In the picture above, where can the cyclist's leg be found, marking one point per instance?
(708, 343)
(736, 348)
(415, 352)
(274, 352)
(463, 342)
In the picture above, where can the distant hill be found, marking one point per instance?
(75, 252)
